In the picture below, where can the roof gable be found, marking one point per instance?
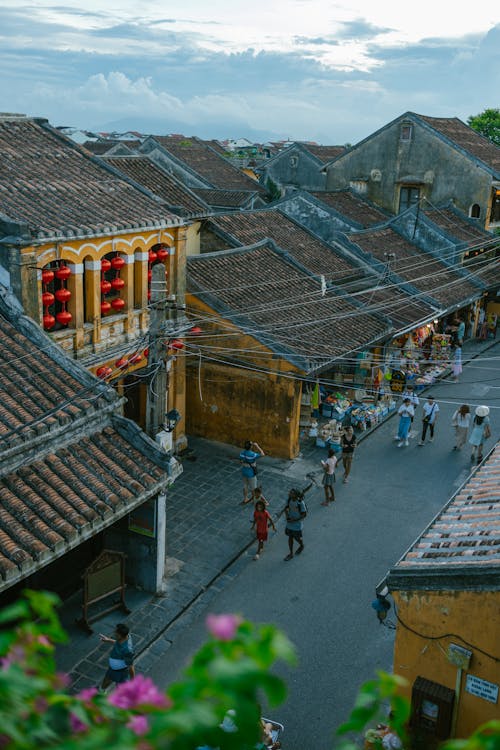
(57, 189)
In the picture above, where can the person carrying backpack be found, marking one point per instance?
(295, 512)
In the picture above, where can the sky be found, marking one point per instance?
(314, 70)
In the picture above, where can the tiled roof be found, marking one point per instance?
(465, 535)
(454, 225)
(102, 147)
(467, 138)
(59, 501)
(33, 399)
(403, 309)
(324, 153)
(314, 254)
(70, 465)
(226, 198)
(352, 206)
(208, 163)
(281, 305)
(426, 273)
(154, 178)
(55, 187)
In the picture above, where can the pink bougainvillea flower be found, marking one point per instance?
(223, 627)
(77, 725)
(141, 691)
(40, 704)
(138, 724)
(87, 694)
(61, 680)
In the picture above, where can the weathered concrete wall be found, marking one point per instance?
(296, 168)
(442, 171)
(318, 220)
(230, 405)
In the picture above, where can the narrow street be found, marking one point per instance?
(322, 600)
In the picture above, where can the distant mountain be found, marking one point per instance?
(206, 130)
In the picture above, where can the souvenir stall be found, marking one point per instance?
(418, 358)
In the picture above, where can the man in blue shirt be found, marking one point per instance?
(248, 457)
(121, 658)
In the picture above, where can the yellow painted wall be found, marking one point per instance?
(470, 619)
(232, 404)
(193, 238)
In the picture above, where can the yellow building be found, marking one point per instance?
(78, 245)
(446, 590)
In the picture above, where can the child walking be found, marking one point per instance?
(261, 521)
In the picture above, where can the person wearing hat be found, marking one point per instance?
(429, 417)
(480, 432)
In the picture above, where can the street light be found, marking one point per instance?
(171, 419)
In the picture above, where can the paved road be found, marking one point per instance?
(322, 599)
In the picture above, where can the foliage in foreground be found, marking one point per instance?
(487, 123)
(231, 670)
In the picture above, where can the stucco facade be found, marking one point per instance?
(408, 160)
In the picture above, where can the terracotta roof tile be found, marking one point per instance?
(208, 163)
(32, 387)
(467, 138)
(250, 227)
(353, 207)
(154, 178)
(55, 187)
(225, 198)
(281, 304)
(324, 153)
(468, 528)
(424, 271)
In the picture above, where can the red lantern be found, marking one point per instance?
(162, 253)
(176, 344)
(121, 363)
(152, 256)
(117, 262)
(105, 265)
(105, 286)
(63, 317)
(47, 299)
(47, 276)
(150, 275)
(146, 353)
(48, 322)
(149, 294)
(63, 272)
(105, 307)
(195, 330)
(117, 304)
(103, 372)
(117, 283)
(63, 295)
(135, 358)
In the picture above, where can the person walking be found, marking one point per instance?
(121, 659)
(414, 399)
(261, 522)
(329, 477)
(258, 495)
(348, 443)
(248, 460)
(457, 363)
(295, 512)
(461, 423)
(480, 432)
(406, 413)
(430, 412)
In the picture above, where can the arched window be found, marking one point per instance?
(55, 296)
(112, 284)
(475, 211)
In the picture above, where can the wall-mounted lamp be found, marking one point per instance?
(171, 419)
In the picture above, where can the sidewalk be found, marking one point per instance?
(208, 531)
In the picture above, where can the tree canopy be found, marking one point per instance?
(487, 123)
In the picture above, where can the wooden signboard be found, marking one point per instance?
(103, 578)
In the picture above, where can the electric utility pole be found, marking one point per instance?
(157, 366)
